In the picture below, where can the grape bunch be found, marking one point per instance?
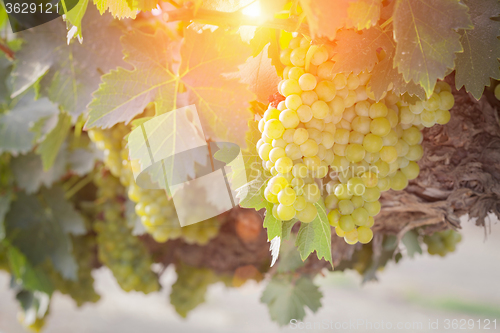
(118, 249)
(442, 242)
(81, 290)
(156, 211)
(330, 140)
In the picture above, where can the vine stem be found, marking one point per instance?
(8, 52)
(232, 19)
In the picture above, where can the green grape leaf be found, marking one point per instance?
(5, 201)
(262, 37)
(363, 14)
(316, 236)
(221, 102)
(287, 228)
(479, 61)
(410, 240)
(82, 161)
(289, 258)
(118, 8)
(50, 146)
(260, 75)
(40, 228)
(286, 300)
(385, 74)
(74, 20)
(4, 18)
(143, 5)
(68, 74)
(29, 172)
(27, 276)
(325, 17)
(16, 134)
(348, 57)
(427, 40)
(272, 224)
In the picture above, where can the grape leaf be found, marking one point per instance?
(272, 224)
(287, 228)
(410, 240)
(260, 75)
(264, 36)
(29, 172)
(316, 236)
(143, 5)
(479, 61)
(425, 31)
(325, 17)
(74, 19)
(286, 300)
(16, 134)
(4, 18)
(222, 102)
(363, 14)
(82, 161)
(118, 8)
(289, 258)
(41, 228)
(357, 51)
(50, 146)
(29, 277)
(384, 74)
(68, 74)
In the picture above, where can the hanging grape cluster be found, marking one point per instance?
(123, 253)
(156, 211)
(442, 242)
(331, 140)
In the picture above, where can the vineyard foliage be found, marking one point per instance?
(71, 91)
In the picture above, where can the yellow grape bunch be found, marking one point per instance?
(330, 140)
(156, 211)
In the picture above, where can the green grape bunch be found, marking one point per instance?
(331, 141)
(155, 210)
(442, 242)
(122, 252)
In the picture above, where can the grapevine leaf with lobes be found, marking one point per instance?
(260, 75)
(222, 102)
(16, 125)
(286, 300)
(272, 224)
(326, 17)
(427, 38)
(357, 51)
(316, 236)
(41, 228)
(68, 74)
(479, 61)
(125, 8)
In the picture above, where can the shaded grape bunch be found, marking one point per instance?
(443, 242)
